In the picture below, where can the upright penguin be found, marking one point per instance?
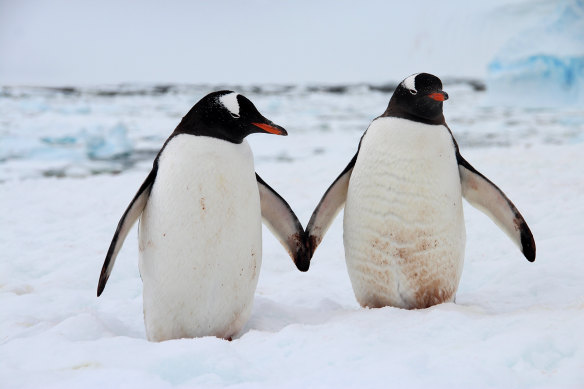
(404, 230)
(200, 237)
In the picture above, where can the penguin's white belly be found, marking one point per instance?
(200, 240)
(404, 231)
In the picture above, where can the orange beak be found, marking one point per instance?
(438, 96)
(271, 129)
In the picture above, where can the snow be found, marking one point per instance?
(515, 324)
(543, 64)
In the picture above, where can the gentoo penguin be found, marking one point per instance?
(404, 231)
(200, 236)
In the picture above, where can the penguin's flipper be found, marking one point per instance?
(283, 223)
(482, 194)
(128, 219)
(329, 207)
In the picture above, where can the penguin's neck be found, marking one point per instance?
(394, 110)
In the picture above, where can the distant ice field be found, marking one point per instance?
(77, 132)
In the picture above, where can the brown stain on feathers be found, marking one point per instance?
(517, 224)
(411, 255)
(375, 302)
(432, 293)
(312, 244)
(254, 264)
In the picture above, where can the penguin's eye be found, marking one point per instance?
(412, 91)
(234, 115)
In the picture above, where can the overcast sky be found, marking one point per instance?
(60, 42)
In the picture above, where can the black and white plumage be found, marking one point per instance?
(201, 209)
(404, 231)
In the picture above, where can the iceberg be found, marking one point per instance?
(110, 144)
(544, 64)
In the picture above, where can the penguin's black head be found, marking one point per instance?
(226, 115)
(419, 97)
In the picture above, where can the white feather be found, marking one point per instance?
(230, 102)
(410, 82)
(404, 228)
(200, 240)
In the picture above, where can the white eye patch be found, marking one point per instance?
(410, 83)
(229, 101)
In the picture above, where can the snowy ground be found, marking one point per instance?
(515, 324)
